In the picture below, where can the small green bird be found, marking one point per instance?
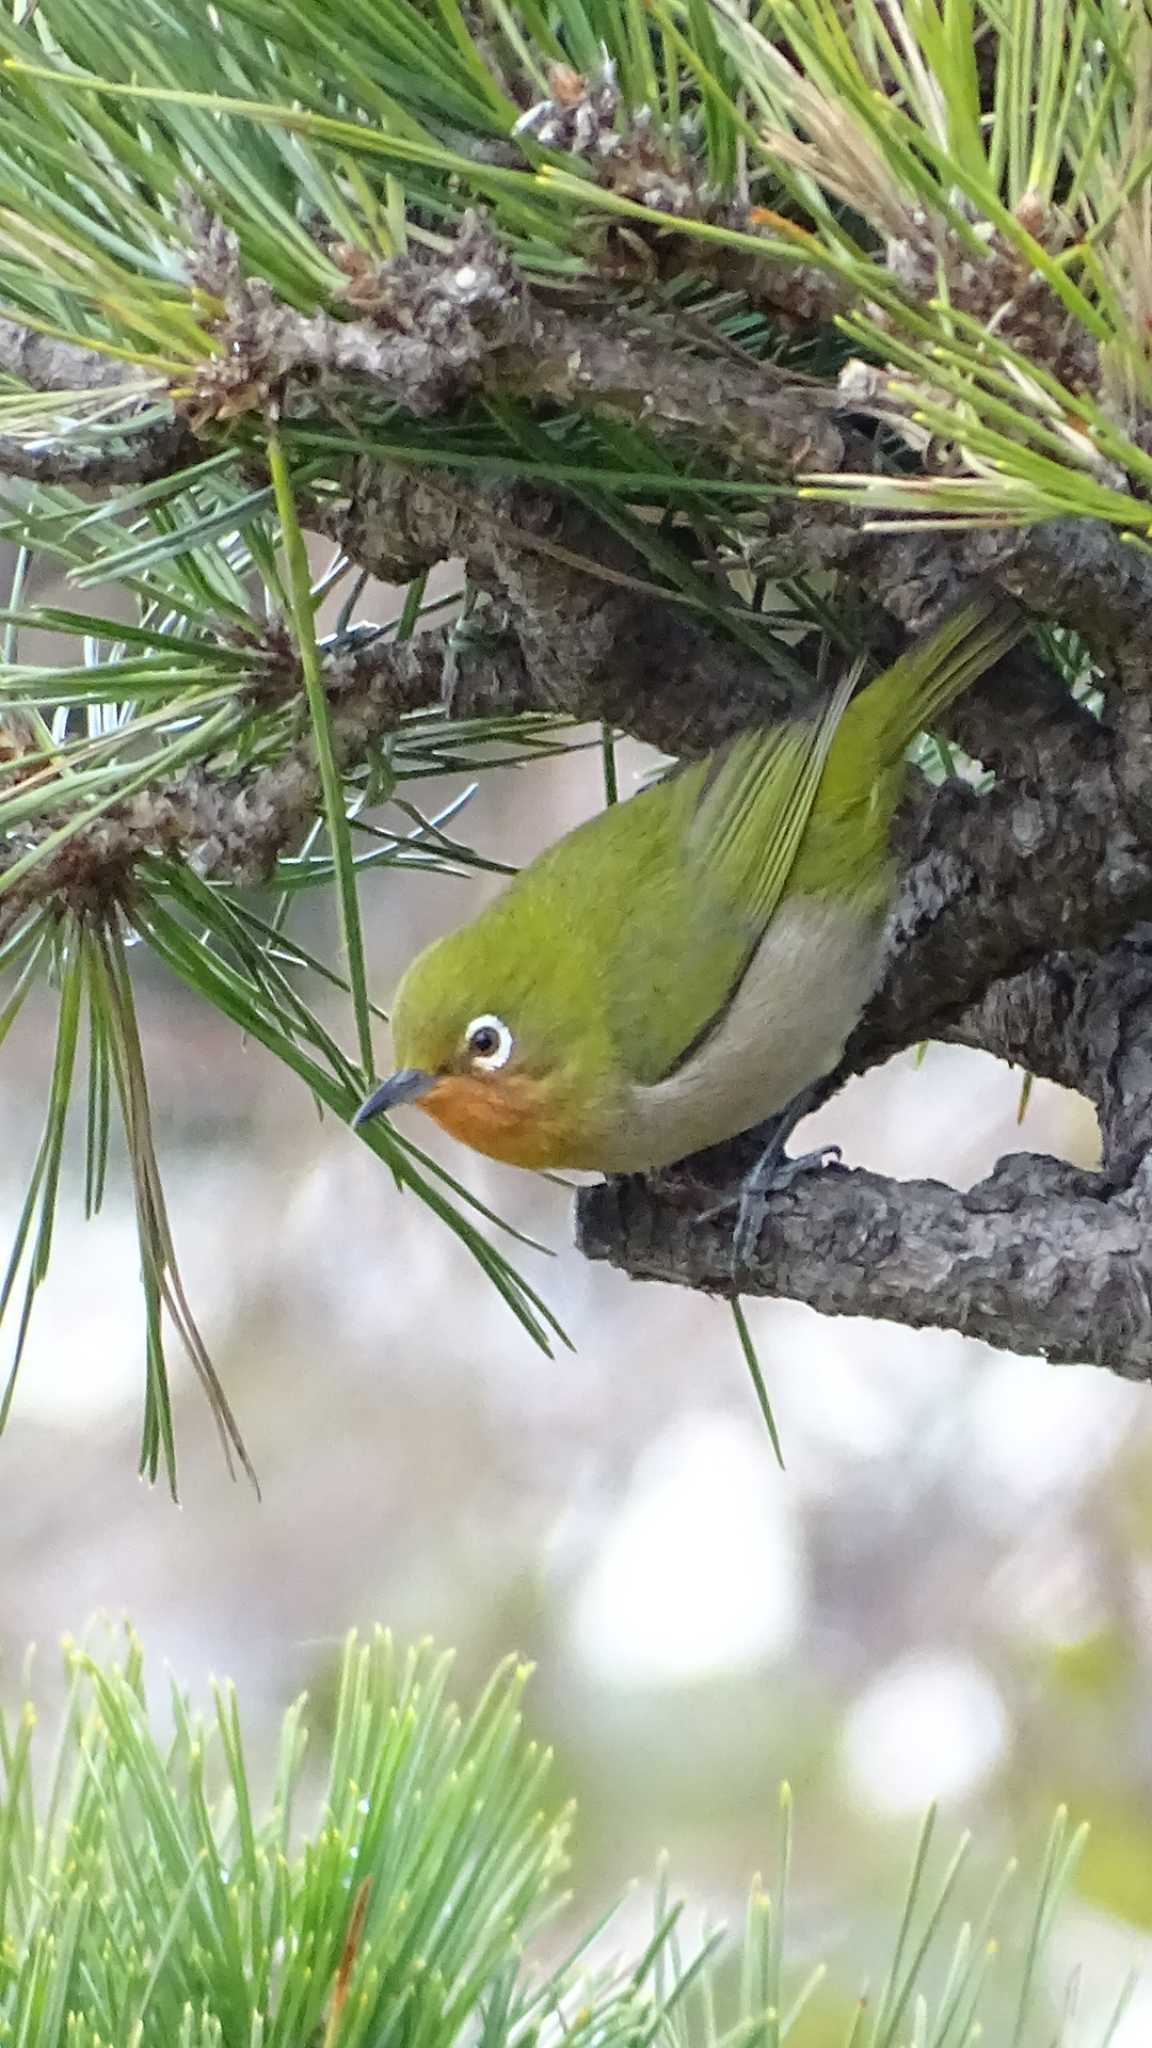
(687, 963)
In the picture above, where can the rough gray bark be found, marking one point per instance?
(1037, 1258)
(47, 364)
(149, 452)
(1018, 924)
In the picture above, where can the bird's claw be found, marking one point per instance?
(758, 1189)
(772, 1174)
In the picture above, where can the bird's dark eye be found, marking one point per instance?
(489, 1042)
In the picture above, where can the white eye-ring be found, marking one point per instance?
(489, 1043)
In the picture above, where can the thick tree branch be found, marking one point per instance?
(1079, 572)
(430, 334)
(997, 882)
(602, 642)
(593, 644)
(1040, 1257)
(1085, 1020)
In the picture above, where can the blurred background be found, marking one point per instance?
(945, 1596)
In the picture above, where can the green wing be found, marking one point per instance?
(755, 804)
(663, 900)
(696, 869)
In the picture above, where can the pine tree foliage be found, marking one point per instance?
(400, 1882)
(253, 273)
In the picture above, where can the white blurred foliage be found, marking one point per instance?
(1033, 1450)
(931, 1727)
(700, 1569)
(84, 1355)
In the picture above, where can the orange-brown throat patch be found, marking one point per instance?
(510, 1117)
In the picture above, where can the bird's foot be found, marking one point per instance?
(771, 1175)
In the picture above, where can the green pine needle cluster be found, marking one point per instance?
(970, 176)
(400, 1883)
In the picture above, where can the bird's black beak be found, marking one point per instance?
(405, 1086)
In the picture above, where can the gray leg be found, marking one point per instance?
(772, 1173)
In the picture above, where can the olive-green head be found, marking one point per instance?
(493, 1040)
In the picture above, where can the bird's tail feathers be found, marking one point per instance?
(918, 687)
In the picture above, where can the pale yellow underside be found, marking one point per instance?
(787, 1025)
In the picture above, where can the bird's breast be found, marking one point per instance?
(515, 1118)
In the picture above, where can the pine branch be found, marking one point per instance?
(1038, 1258)
(230, 827)
(431, 331)
(1078, 572)
(586, 641)
(161, 449)
(48, 363)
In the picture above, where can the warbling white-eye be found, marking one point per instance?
(686, 963)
